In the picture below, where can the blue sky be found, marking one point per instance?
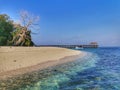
(71, 21)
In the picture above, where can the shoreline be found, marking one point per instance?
(74, 54)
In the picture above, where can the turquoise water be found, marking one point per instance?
(62, 75)
(99, 70)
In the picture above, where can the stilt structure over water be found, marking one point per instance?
(91, 45)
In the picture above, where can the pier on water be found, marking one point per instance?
(91, 45)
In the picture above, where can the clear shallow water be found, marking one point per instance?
(100, 70)
(61, 77)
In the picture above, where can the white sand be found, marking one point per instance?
(19, 58)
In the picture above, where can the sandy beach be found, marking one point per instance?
(20, 60)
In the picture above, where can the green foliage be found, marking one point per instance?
(28, 41)
(22, 37)
(13, 34)
(6, 27)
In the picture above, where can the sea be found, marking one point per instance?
(98, 70)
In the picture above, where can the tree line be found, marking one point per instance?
(18, 34)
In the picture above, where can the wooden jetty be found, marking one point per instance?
(91, 45)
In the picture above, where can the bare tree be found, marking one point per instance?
(28, 23)
(29, 20)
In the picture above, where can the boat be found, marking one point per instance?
(79, 47)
